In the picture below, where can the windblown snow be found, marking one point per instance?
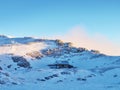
(41, 64)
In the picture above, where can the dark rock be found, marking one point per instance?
(55, 75)
(9, 66)
(47, 78)
(21, 61)
(24, 64)
(59, 42)
(14, 83)
(40, 79)
(2, 82)
(115, 75)
(81, 79)
(0, 68)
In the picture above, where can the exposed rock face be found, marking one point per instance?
(2, 82)
(95, 51)
(62, 50)
(0, 68)
(35, 54)
(59, 42)
(22, 62)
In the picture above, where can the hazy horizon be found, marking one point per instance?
(91, 24)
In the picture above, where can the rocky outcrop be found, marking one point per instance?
(0, 68)
(21, 61)
(62, 50)
(35, 54)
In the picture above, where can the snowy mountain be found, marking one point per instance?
(40, 64)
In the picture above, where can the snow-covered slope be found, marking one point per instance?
(29, 63)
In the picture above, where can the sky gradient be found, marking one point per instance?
(57, 17)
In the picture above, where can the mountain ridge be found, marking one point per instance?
(28, 63)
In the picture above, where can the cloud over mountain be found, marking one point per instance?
(80, 38)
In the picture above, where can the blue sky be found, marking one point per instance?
(53, 17)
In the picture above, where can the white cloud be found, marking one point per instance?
(80, 38)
